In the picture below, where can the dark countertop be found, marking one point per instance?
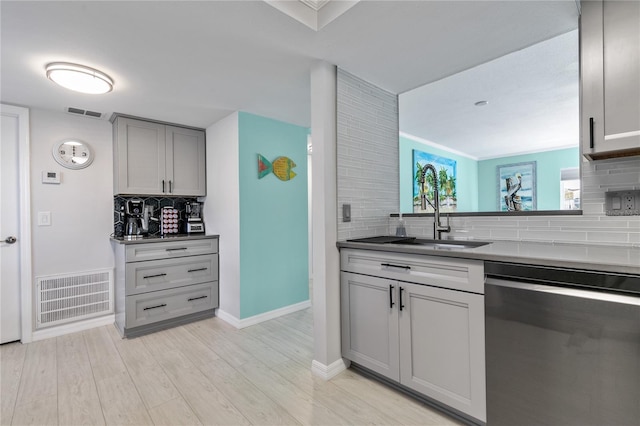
(615, 259)
(153, 239)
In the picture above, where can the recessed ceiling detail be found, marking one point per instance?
(315, 4)
(315, 14)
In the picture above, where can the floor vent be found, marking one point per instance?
(86, 113)
(67, 298)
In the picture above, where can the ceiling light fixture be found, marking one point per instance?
(481, 103)
(79, 78)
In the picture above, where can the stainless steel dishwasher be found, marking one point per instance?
(562, 346)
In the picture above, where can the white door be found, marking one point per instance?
(10, 301)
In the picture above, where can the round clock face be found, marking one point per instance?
(73, 154)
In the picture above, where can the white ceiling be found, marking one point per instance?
(533, 97)
(196, 62)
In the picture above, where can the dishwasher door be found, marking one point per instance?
(561, 356)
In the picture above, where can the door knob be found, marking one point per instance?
(10, 240)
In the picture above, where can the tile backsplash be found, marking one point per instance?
(158, 203)
(367, 144)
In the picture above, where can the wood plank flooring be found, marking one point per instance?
(203, 373)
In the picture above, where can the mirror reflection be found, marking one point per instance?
(503, 135)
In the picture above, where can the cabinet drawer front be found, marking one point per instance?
(457, 274)
(162, 274)
(170, 249)
(147, 308)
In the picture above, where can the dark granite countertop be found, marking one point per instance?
(163, 239)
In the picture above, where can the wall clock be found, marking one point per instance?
(73, 154)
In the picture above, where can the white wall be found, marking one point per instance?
(222, 207)
(81, 205)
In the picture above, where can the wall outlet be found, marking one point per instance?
(622, 203)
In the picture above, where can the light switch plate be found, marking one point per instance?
(346, 212)
(622, 203)
(44, 218)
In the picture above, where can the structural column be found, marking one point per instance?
(327, 360)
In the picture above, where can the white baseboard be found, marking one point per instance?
(74, 327)
(257, 319)
(327, 372)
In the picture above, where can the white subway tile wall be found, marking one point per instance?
(367, 119)
(368, 180)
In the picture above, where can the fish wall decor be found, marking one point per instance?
(281, 167)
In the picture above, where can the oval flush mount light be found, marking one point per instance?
(481, 103)
(79, 78)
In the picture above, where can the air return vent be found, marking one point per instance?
(86, 113)
(67, 298)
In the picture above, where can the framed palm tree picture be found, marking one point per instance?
(446, 178)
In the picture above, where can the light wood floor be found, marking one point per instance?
(206, 372)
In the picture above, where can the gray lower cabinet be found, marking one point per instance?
(427, 338)
(161, 284)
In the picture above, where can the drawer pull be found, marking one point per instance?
(391, 265)
(196, 270)
(196, 298)
(401, 304)
(154, 276)
(391, 296)
(155, 307)
(179, 248)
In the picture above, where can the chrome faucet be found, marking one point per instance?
(438, 227)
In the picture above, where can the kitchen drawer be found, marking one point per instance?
(452, 273)
(152, 275)
(170, 249)
(147, 308)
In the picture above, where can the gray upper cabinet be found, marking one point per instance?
(610, 66)
(153, 158)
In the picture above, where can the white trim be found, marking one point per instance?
(257, 319)
(22, 114)
(436, 145)
(61, 330)
(328, 372)
(532, 151)
(622, 135)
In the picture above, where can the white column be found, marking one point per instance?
(327, 360)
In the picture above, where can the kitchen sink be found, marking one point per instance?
(423, 242)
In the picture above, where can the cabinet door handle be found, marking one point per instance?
(172, 249)
(196, 298)
(155, 307)
(391, 296)
(591, 132)
(154, 276)
(196, 270)
(391, 265)
(401, 305)
(170, 187)
(162, 185)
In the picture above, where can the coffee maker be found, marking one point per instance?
(193, 210)
(134, 214)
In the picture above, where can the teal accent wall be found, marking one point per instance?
(274, 242)
(466, 179)
(548, 168)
